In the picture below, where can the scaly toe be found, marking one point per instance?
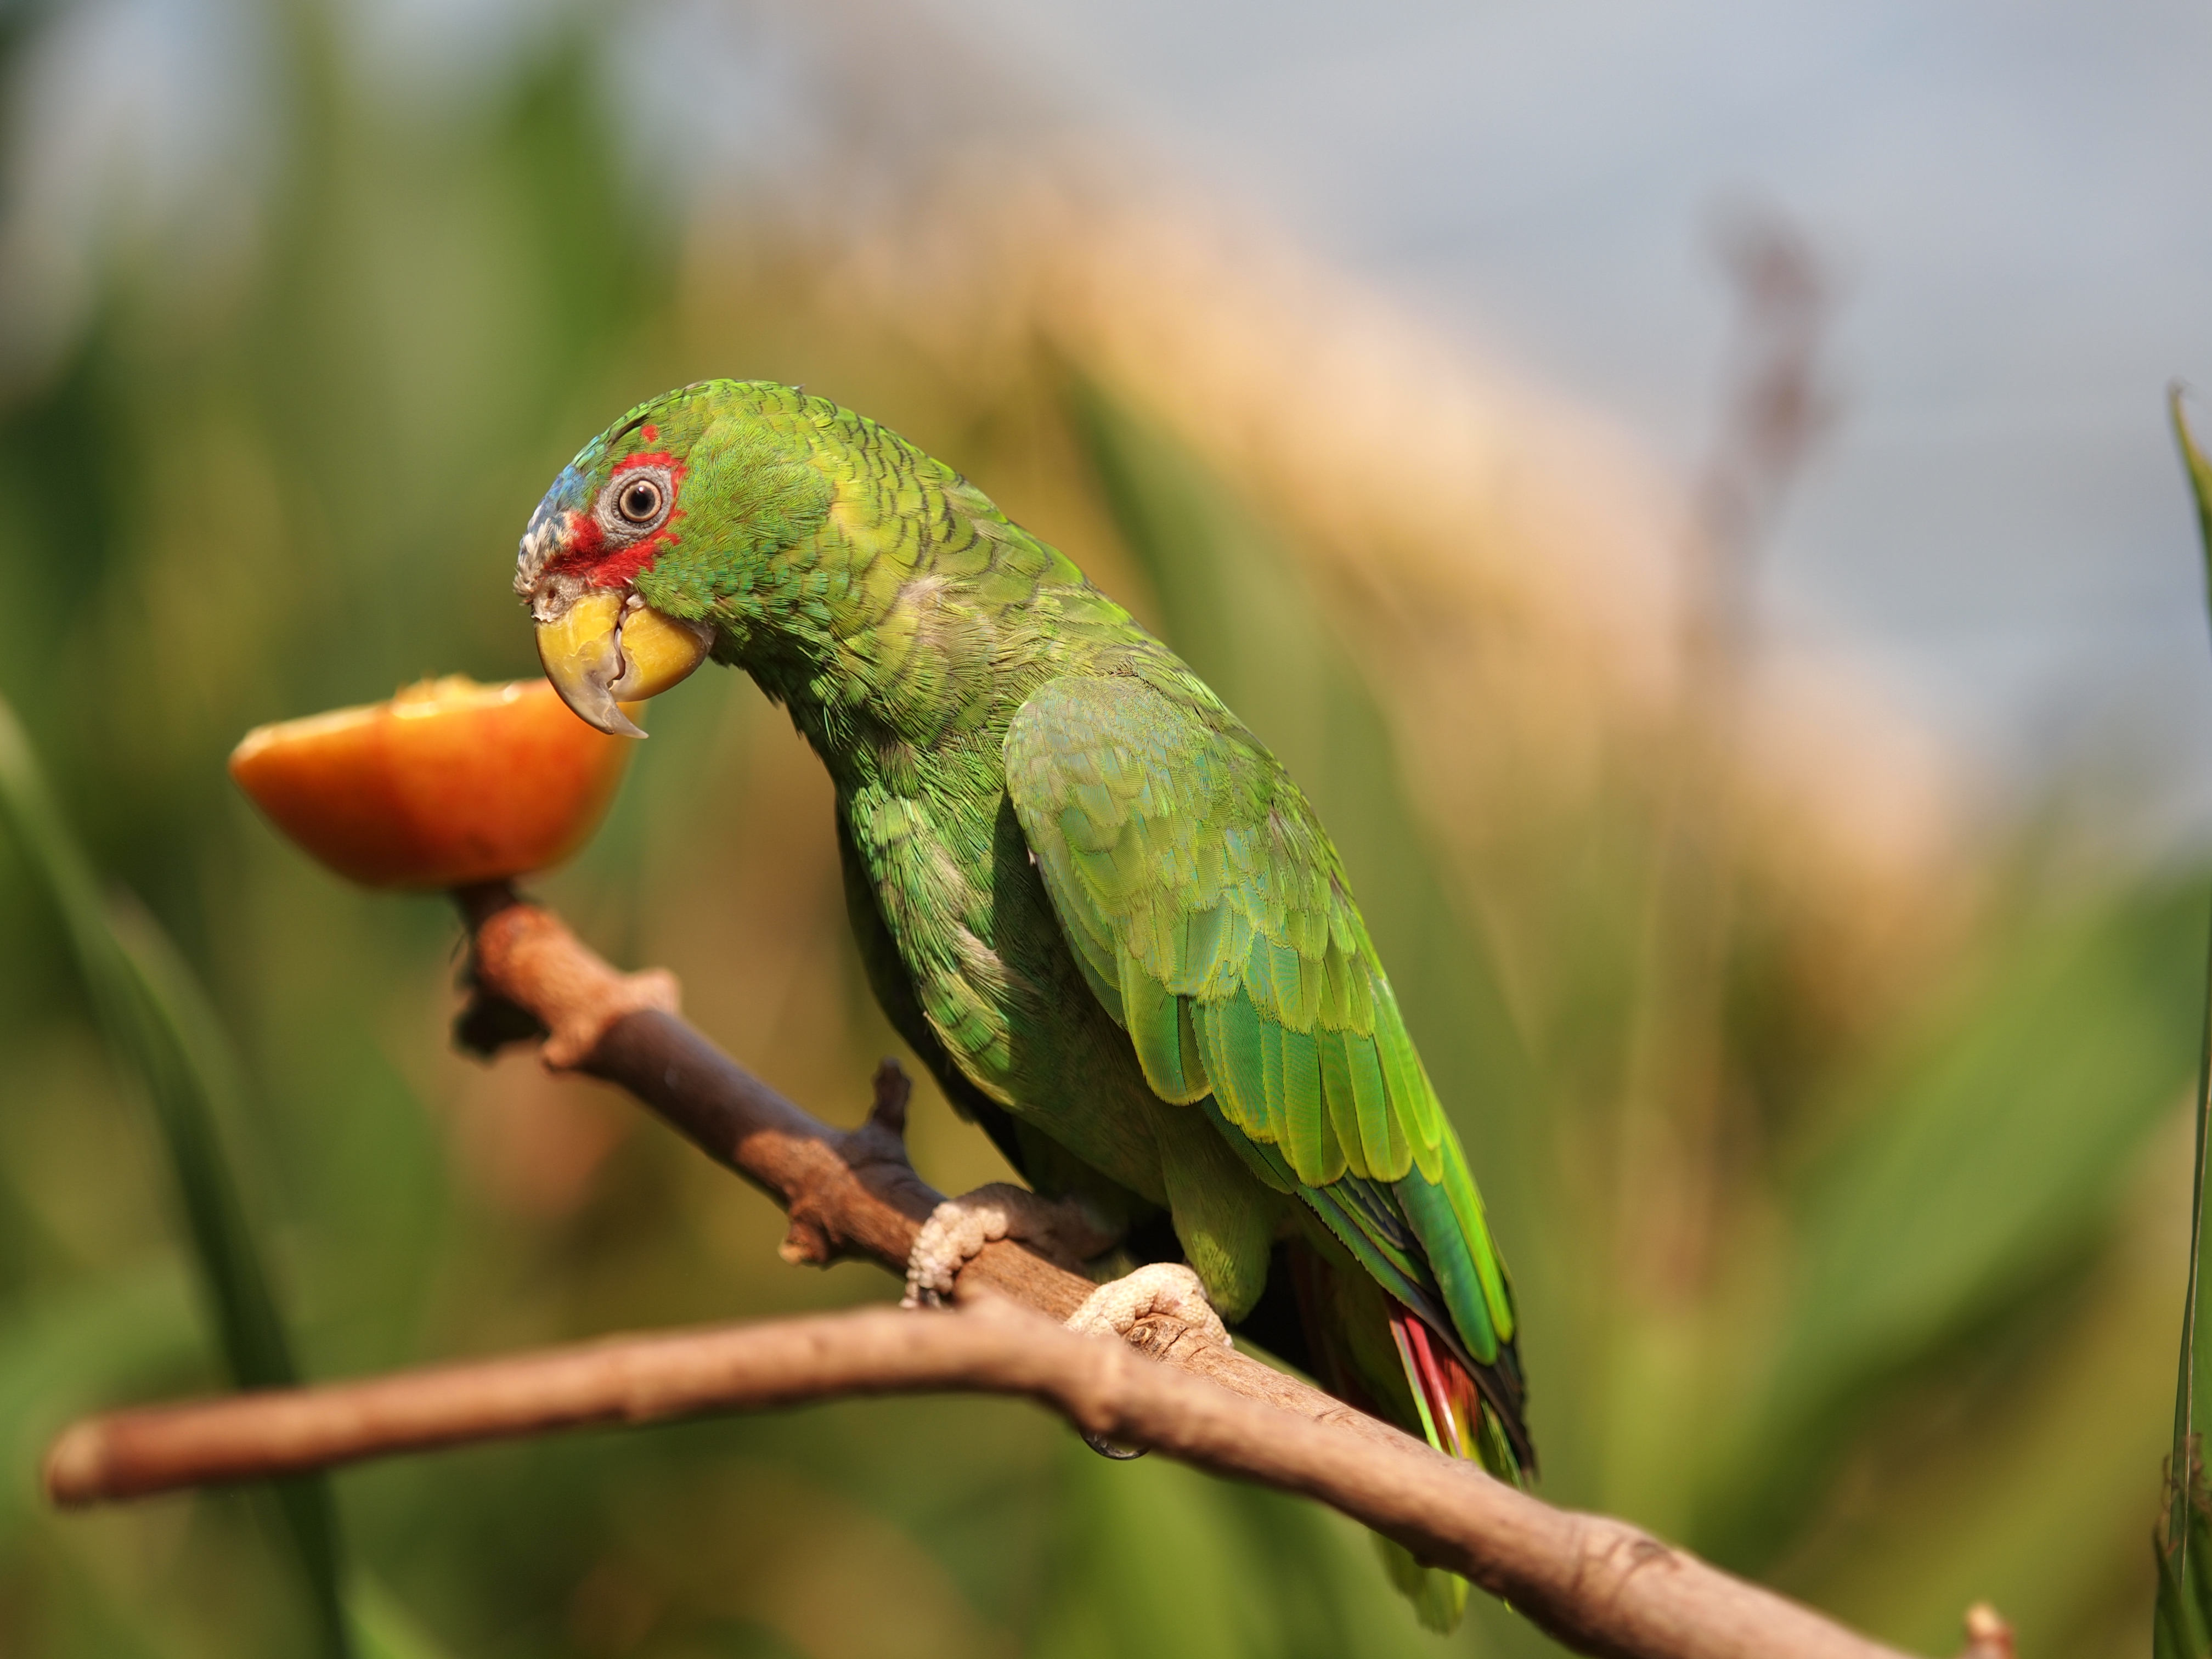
(1164, 1287)
(959, 1228)
(1114, 1308)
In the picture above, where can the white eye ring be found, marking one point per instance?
(636, 500)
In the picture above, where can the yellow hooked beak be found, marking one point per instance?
(608, 649)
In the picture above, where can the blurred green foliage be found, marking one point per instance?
(157, 1023)
(2183, 1625)
(1865, 1285)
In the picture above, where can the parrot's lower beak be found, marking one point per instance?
(608, 649)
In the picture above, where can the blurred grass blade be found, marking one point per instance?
(159, 1025)
(2172, 1633)
(1984, 1155)
(2181, 1626)
(2198, 1583)
(2200, 477)
(382, 1628)
(2185, 1593)
(59, 1347)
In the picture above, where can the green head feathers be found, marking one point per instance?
(848, 570)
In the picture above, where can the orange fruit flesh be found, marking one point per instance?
(450, 782)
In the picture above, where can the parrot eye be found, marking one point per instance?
(640, 501)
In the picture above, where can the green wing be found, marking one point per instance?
(1213, 918)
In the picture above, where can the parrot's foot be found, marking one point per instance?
(1115, 1309)
(1166, 1288)
(958, 1228)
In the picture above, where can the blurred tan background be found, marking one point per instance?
(1832, 1112)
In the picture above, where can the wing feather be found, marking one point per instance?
(1342, 1107)
(1382, 1140)
(1212, 918)
(1277, 1096)
(1304, 1107)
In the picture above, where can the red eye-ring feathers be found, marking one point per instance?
(584, 542)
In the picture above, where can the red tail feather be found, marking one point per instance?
(1440, 1383)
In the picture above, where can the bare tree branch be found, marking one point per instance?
(1599, 1585)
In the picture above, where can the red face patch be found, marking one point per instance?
(584, 545)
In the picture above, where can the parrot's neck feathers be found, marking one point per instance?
(913, 618)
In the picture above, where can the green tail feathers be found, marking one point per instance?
(1391, 1360)
(1455, 1419)
(1439, 1597)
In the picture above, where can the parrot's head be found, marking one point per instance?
(650, 541)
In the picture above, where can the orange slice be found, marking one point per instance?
(448, 783)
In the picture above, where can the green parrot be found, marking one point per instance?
(1094, 903)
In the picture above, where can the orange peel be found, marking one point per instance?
(450, 782)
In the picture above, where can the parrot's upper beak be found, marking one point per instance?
(605, 647)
